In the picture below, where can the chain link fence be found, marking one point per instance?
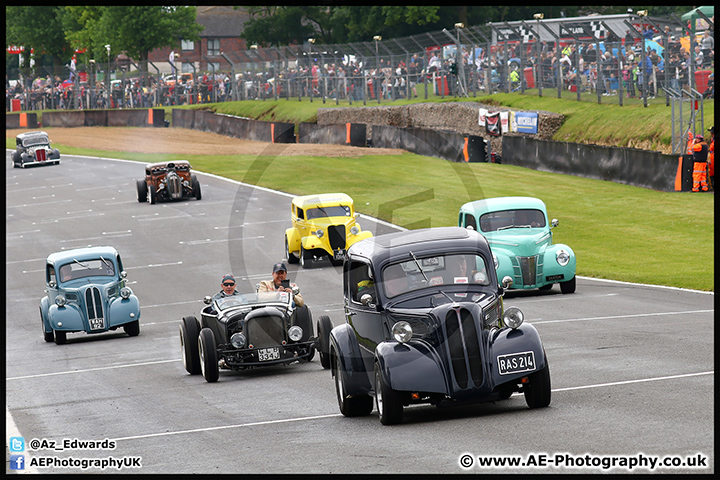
(460, 62)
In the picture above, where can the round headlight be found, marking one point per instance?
(513, 317)
(295, 333)
(238, 340)
(60, 301)
(562, 257)
(355, 230)
(125, 292)
(402, 332)
(319, 233)
(495, 262)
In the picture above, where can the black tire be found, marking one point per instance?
(152, 194)
(142, 191)
(189, 333)
(388, 401)
(208, 355)
(47, 336)
(537, 392)
(546, 287)
(197, 193)
(132, 328)
(568, 287)
(303, 319)
(290, 257)
(355, 406)
(60, 337)
(324, 326)
(305, 258)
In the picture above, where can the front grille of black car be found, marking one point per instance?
(529, 269)
(174, 185)
(265, 331)
(93, 303)
(336, 236)
(464, 347)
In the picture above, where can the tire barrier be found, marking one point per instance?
(21, 120)
(353, 134)
(431, 143)
(630, 166)
(232, 126)
(154, 117)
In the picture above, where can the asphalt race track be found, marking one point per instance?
(632, 366)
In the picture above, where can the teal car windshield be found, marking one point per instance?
(402, 277)
(521, 218)
(87, 268)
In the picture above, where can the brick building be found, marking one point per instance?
(223, 26)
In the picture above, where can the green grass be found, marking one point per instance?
(617, 231)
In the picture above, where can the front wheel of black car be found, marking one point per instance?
(189, 333)
(208, 355)
(132, 328)
(537, 392)
(142, 191)
(388, 401)
(323, 327)
(568, 287)
(197, 193)
(355, 406)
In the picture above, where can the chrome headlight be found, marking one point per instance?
(513, 317)
(125, 292)
(238, 340)
(402, 331)
(60, 301)
(355, 230)
(562, 257)
(319, 233)
(295, 333)
(495, 261)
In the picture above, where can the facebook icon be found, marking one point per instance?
(17, 462)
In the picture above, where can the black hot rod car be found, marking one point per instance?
(246, 331)
(426, 324)
(165, 181)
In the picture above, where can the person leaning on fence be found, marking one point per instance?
(707, 45)
(700, 158)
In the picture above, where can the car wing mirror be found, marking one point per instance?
(555, 222)
(207, 300)
(367, 300)
(123, 274)
(506, 283)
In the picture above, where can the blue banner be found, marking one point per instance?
(527, 122)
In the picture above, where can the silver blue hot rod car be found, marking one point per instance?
(86, 292)
(425, 323)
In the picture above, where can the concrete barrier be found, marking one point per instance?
(447, 145)
(630, 166)
(96, 118)
(63, 118)
(354, 134)
(127, 118)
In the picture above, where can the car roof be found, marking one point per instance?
(164, 164)
(31, 134)
(502, 203)
(383, 248)
(306, 201)
(80, 254)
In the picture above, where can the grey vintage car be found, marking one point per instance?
(86, 292)
(33, 149)
(425, 323)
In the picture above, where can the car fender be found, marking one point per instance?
(343, 343)
(293, 238)
(68, 315)
(311, 242)
(551, 267)
(44, 307)
(505, 266)
(353, 239)
(120, 310)
(412, 366)
(508, 341)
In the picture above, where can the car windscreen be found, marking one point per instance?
(35, 140)
(321, 212)
(505, 219)
(87, 268)
(433, 271)
(251, 299)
